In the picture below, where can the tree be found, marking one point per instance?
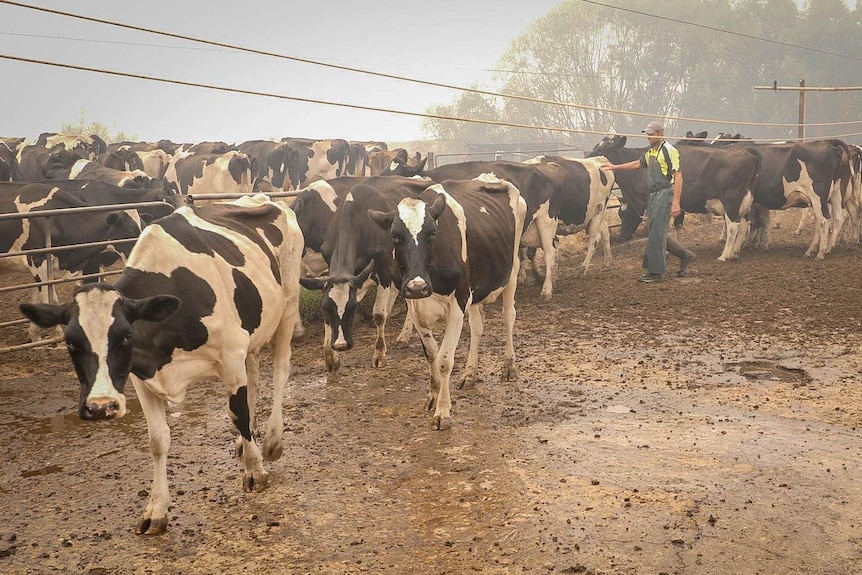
(457, 134)
(82, 127)
(654, 59)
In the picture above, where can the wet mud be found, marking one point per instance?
(700, 425)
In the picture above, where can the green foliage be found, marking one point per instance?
(82, 127)
(309, 304)
(623, 59)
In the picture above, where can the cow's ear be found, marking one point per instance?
(363, 275)
(383, 219)
(45, 315)
(437, 207)
(312, 284)
(621, 141)
(156, 308)
(421, 165)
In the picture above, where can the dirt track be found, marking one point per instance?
(696, 426)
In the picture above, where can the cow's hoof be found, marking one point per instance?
(255, 483)
(546, 297)
(272, 450)
(333, 366)
(510, 373)
(149, 526)
(378, 361)
(442, 422)
(467, 380)
(401, 344)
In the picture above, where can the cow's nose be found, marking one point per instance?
(417, 288)
(95, 410)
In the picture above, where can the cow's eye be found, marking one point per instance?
(71, 347)
(395, 239)
(127, 339)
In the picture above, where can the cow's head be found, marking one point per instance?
(339, 303)
(609, 147)
(412, 226)
(404, 166)
(100, 340)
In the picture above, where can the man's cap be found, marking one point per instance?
(654, 128)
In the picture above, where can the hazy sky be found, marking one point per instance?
(446, 41)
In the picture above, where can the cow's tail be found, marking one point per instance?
(758, 162)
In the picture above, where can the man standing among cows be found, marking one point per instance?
(665, 188)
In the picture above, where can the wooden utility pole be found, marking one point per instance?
(802, 89)
(801, 131)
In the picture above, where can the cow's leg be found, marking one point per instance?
(406, 329)
(742, 236)
(509, 372)
(273, 444)
(252, 369)
(333, 362)
(730, 242)
(154, 519)
(606, 244)
(233, 372)
(594, 236)
(820, 238)
(839, 216)
(445, 361)
(547, 228)
(383, 302)
(803, 217)
(424, 314)
(476, 317)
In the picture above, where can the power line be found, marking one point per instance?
(393, 76)
(723, 31)
(321, 102)
(174, 47)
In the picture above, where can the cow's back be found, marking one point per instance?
(235, 268)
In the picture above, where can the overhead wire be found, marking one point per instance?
(318, 101)
(393, 76)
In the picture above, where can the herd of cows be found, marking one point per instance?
(206, 286)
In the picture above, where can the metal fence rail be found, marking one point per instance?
(50, 250)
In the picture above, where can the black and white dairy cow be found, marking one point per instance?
(310, 160)
(584, 200)
(538, 184)
(123, 159)
(79, 228)
(272, 159)
(191, 173)
(354, 248)
(816, 174)
(154, 163)
(203, 291)
(456, 247)
(89, 170)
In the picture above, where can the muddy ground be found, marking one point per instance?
(709, 424)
